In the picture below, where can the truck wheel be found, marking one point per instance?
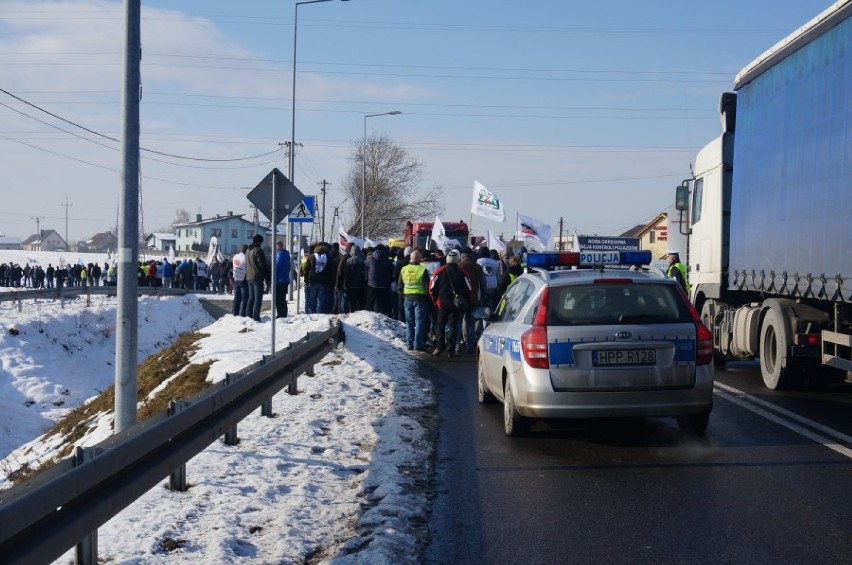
(774, 344)
(708, 314)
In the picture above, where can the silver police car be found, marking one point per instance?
(596, 342)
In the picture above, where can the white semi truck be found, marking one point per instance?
(769, 209)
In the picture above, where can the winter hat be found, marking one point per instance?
(258, 239)
(453, 256)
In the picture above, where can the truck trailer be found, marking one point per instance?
(769, 210)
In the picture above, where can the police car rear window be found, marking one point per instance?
(616, 303)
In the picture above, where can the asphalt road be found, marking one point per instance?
(754, 490)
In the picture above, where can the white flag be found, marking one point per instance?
(529, 227)
(171, 253)
(211, 250)
(345, 238)
(486, 204)
(439, 235)
(495, 243)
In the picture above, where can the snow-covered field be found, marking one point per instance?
(331, 478)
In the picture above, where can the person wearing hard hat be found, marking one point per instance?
(677, 270)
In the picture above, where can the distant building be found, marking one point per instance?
(47, 240)
(229, 230)
(9, 242)
(100, 242)
(653, 236)
(161, 241)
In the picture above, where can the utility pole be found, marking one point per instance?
(560, 234)
(67, 241)
(324, 183)
(127, 314)
(38, 220)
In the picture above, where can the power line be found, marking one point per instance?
(93, 132)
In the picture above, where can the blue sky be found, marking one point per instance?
(591, 111)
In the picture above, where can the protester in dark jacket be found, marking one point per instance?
(379, 276)
(451, 292)
(355, 281)
(257, 273)
(320, 275)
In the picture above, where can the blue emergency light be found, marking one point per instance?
(588, 259)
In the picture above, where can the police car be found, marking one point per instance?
(599, 339)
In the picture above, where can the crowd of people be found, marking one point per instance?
(12, 275)
(434, 292)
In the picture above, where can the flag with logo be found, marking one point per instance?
(530, 228)
(439, 235)
(494, 242)
(486, 204)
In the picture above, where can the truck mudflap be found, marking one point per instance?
(837, 350)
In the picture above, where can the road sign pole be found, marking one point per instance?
(272, 279)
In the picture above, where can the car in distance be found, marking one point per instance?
(604, 341)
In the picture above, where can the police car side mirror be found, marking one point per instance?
(481, 313)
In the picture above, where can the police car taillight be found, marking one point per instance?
(534, 340)
(703, 337)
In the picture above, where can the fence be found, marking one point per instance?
(43, 517)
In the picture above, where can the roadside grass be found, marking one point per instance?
(170, 364)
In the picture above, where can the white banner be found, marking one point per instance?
(486, 204)
(531, 228)
(494, 242)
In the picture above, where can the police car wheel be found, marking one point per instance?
(484, 396)
(514, 424)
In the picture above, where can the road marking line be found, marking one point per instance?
(748, 402)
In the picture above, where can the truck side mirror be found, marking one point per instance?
(682, 198)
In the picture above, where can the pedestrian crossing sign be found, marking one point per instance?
(304, 211)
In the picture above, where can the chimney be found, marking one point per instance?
(198, 217)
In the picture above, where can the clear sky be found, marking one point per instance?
(585, 110)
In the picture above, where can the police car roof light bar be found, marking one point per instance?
(588, 258)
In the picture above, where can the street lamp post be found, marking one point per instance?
(364, 167)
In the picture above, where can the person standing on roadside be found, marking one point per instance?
(257, 273)
(282, 279)
(413, 285)
(450, 291)
(241, 286)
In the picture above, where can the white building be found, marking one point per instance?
(229, 230)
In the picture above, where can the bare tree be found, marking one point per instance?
(393, 194)
(181, 217)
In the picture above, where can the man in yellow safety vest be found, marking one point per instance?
(414, 285)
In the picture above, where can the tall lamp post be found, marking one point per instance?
(364, 167)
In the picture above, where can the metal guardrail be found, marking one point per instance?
(75, 291)
(45, 516)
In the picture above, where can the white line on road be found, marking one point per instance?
(749, 402)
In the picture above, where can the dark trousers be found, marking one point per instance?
(281, 300)
(377, 299)
(447, 318)
(355, 298)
